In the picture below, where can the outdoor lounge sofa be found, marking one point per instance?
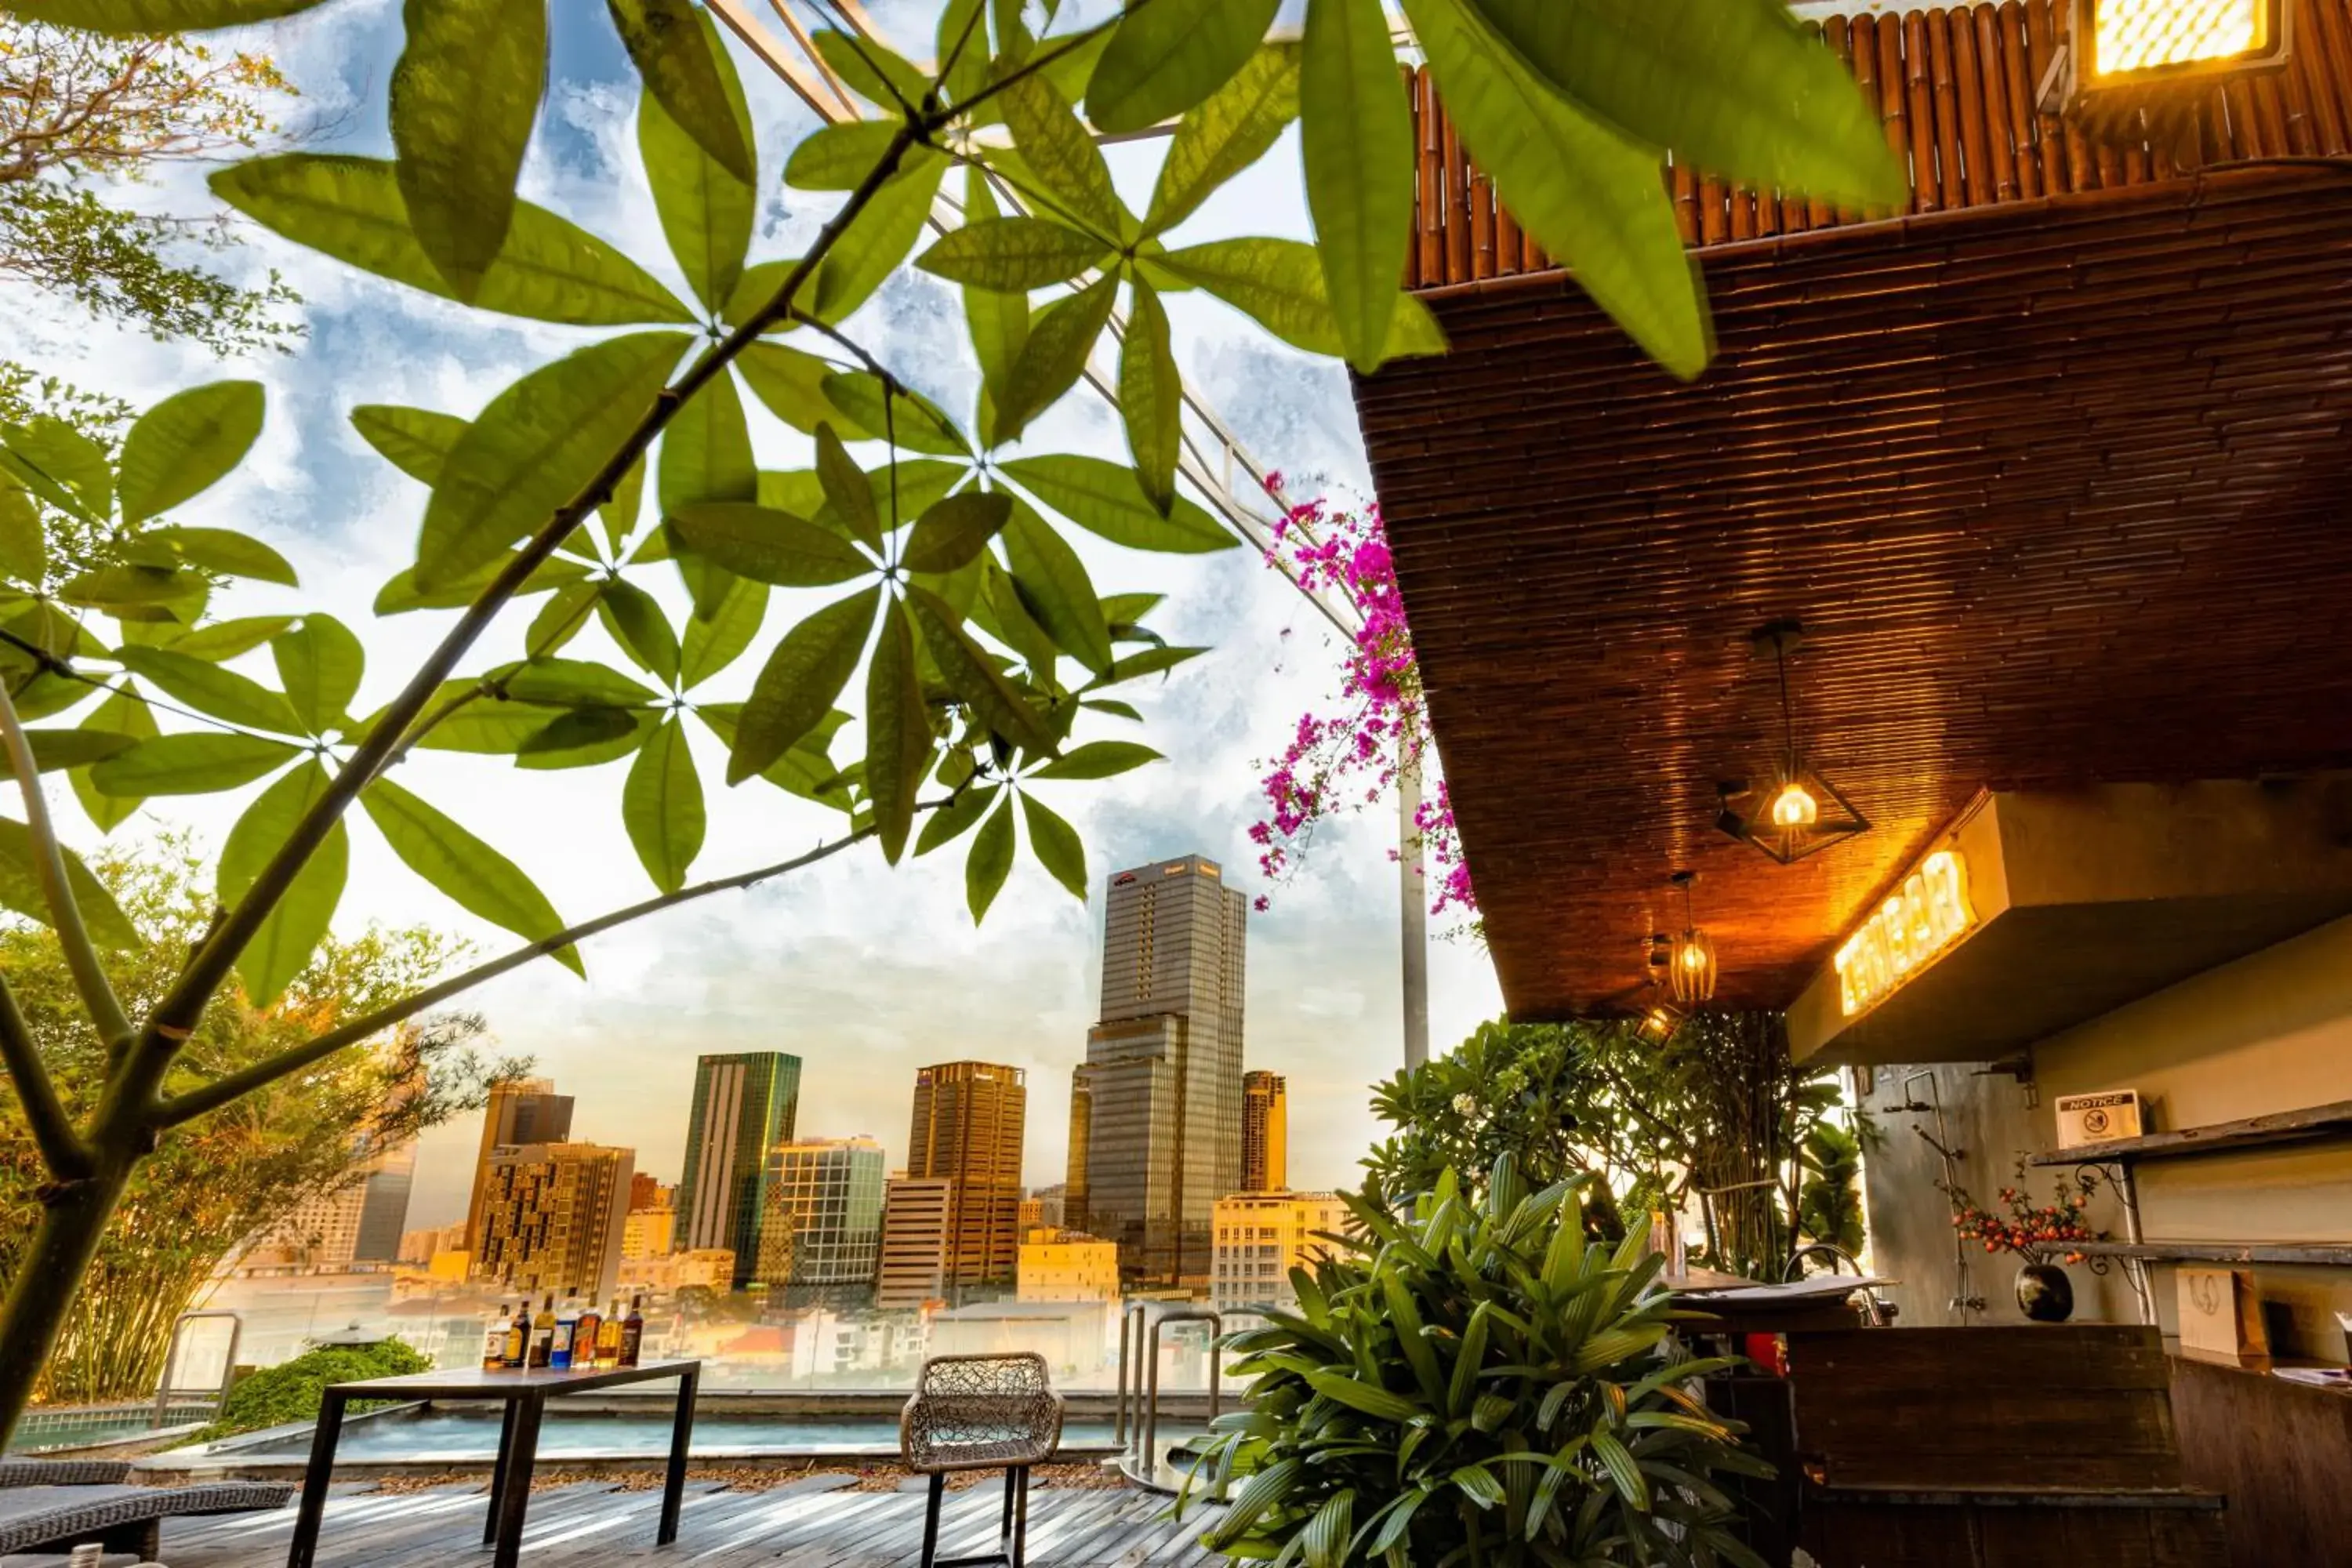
(52, 1505)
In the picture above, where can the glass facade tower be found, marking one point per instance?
(744, 1106)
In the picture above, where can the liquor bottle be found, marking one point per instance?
(493, 1339)
(542, 1331)
(519, 1335)
(632, 1332)
(567, 1326)
(584, 1337)
(608, 1337)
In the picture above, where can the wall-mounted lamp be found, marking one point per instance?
(2128, 56)
(1658, 1023)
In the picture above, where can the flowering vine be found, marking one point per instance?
(1347, 758)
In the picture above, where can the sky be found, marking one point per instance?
(866, 971)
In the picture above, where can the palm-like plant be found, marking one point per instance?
(1475, 1385)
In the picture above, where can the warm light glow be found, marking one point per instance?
(2142, 34)
(1658, 1024)
(1925, 917)
(1795, 807)
(1693, 958)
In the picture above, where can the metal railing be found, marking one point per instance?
(165, 1393)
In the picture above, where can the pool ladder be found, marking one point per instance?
(1138, 1455)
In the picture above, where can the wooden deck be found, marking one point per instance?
(807, 1524)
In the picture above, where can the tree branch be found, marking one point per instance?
(49, 865)
(226, 1090)
(61, 1149)
(180, 1008)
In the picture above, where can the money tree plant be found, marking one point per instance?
(959, 661)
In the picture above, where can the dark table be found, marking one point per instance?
(525, 1393)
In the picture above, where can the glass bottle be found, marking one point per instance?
(493, 1339)
(519, 1335)
(608, 1337)
(584, 1337)
(542, 1331)
(567, 1326)
(632, 1332)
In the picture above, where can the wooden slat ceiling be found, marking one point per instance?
(2060, 488)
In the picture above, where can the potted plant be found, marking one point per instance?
(2041, 1234)
(1475, 1385)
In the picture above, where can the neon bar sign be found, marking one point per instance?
(1917, 923)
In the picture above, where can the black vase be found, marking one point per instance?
(2045, 1293)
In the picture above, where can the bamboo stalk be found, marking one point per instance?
(1926, 175)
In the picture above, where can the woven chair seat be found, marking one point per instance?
(976, 1413)
(64, 1472)
(32, 1517)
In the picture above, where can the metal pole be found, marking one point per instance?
(1413, 893)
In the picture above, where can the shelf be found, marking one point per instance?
(2253, 1133)
(2337, 1254)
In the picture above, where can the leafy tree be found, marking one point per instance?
(971, 633)
(77, 107)
(296, 1390)
(1829, 1205)
(209, 1185)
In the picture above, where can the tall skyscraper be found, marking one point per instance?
(526, 1110)
(967, 1125)
(744, 1106)
(822, 1232)
(917, 1221)
(1082, 1120)
(1265, 1132)
(552, 1218)
(383, 1203)
(1162, 1079)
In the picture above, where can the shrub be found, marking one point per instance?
(292, 1391)
(1477, 1385)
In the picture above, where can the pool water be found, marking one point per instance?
(471, 1433)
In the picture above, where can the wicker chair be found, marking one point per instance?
(981, 1413)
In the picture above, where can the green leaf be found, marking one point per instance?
(990, 861)
(1060, 337)
(619, 514)
(708, 209)
(1624, 1473)
(705, 457)
(465, 94)
(1055, 589)
(791, 384)
(194, 763)
(847, 491)
(955, 529)
(141, 18)
(768, 545)
(638, 625)
(973, 677)
(293, 928)
(662, 807)
(215, 549)
(1224, 134)
(714, 643)
(351, 208)
(20, 890)
(684, 67)
(839, 157)
(62, 465)
(127, 591)
(470, 872)
(55, 751)
(121, 714)
(1150, 661)
(880, 236)
(874, 72)
(953, 820)
(572, 681)
(402, 594)
(897, 731)
(1369, 1398)
(1278, 283)
(1152, 398)
(1325, 1539)
(999, 322)
(226, 639)
(586, 738)
(535, 446)
(1060, 155)
(1056, 844)
(1170, 54)
(999, 611)
(416, 441)
(564, 616)
(183, 445)
(23, 546)
(1356, 142)
(1013, 255)
(210, 689)
(1107, 500)
(805, 770)
(800, 682)
(1735, 87)
(1097, 760)
(1590, 196)
(913, 421)
(320, 664)
(962, 48)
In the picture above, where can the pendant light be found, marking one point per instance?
(1799, 812)
(1690, 957)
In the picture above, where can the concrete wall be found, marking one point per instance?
(2269, 1032)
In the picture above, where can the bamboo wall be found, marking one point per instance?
(1955, 88)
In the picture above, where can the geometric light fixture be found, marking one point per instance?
(1798, 812)
(1690, 957)
(2157, 57)
(1658, 1023)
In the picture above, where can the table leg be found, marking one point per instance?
(681, 1434)
(516, 1497)
(1020, 1524)
(498, 1474)
(314, 1480)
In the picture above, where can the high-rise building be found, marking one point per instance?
(1082, 1122)
(383, 1205)
(967, 1125)
(552, 1217)
(649, 1233)
(822, 1233)
(1163, 1080)
(319, 1236)
(1265, 1132)
(1260, 1237)
(645, 1192)
(526, 1110)
(918, 1220)
(1046, 1208)
(744, 1106)
(1067, 1265)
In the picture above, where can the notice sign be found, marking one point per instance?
(1919, 921)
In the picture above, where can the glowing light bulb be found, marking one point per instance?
(1692, 957)
(1795, 807)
